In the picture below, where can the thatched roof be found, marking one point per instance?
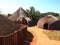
(17, 14)
(47, 19)
(28, 19)
(7, 26)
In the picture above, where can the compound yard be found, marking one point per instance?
(41, 38)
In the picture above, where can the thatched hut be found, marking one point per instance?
(46, 21)
(11, 33)
(19, 15)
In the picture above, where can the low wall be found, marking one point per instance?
(15, 38)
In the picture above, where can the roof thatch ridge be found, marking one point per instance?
(20, 8)
(19, 12)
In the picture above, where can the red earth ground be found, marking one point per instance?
(40, 38)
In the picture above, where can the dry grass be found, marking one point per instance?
(53, 34)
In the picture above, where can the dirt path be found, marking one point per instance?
(40, 38)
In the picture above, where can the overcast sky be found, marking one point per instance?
(10, 6)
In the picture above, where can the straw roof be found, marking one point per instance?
(7, 26)
(17, 14)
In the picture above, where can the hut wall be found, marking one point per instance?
(41, 22)
(55, 25)
(14, 39)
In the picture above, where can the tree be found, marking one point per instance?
(50, 13)
(58, 17)
(33, 14)
(9, 15)
(53, 13)
(28, 13)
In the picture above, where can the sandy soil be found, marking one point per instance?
(40, 38)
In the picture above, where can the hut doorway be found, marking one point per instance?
(45, 26)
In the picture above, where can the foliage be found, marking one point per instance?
(50, 13)
(9, 15)
(35, 15)
(58, 17)
(32, 11)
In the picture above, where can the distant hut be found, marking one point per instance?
(46, 21)
(19, 16)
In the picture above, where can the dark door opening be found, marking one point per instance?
(45, 26)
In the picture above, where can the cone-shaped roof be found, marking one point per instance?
(17, 14)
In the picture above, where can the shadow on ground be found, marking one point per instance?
(28, 39)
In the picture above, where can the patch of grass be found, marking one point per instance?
(53, 34)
